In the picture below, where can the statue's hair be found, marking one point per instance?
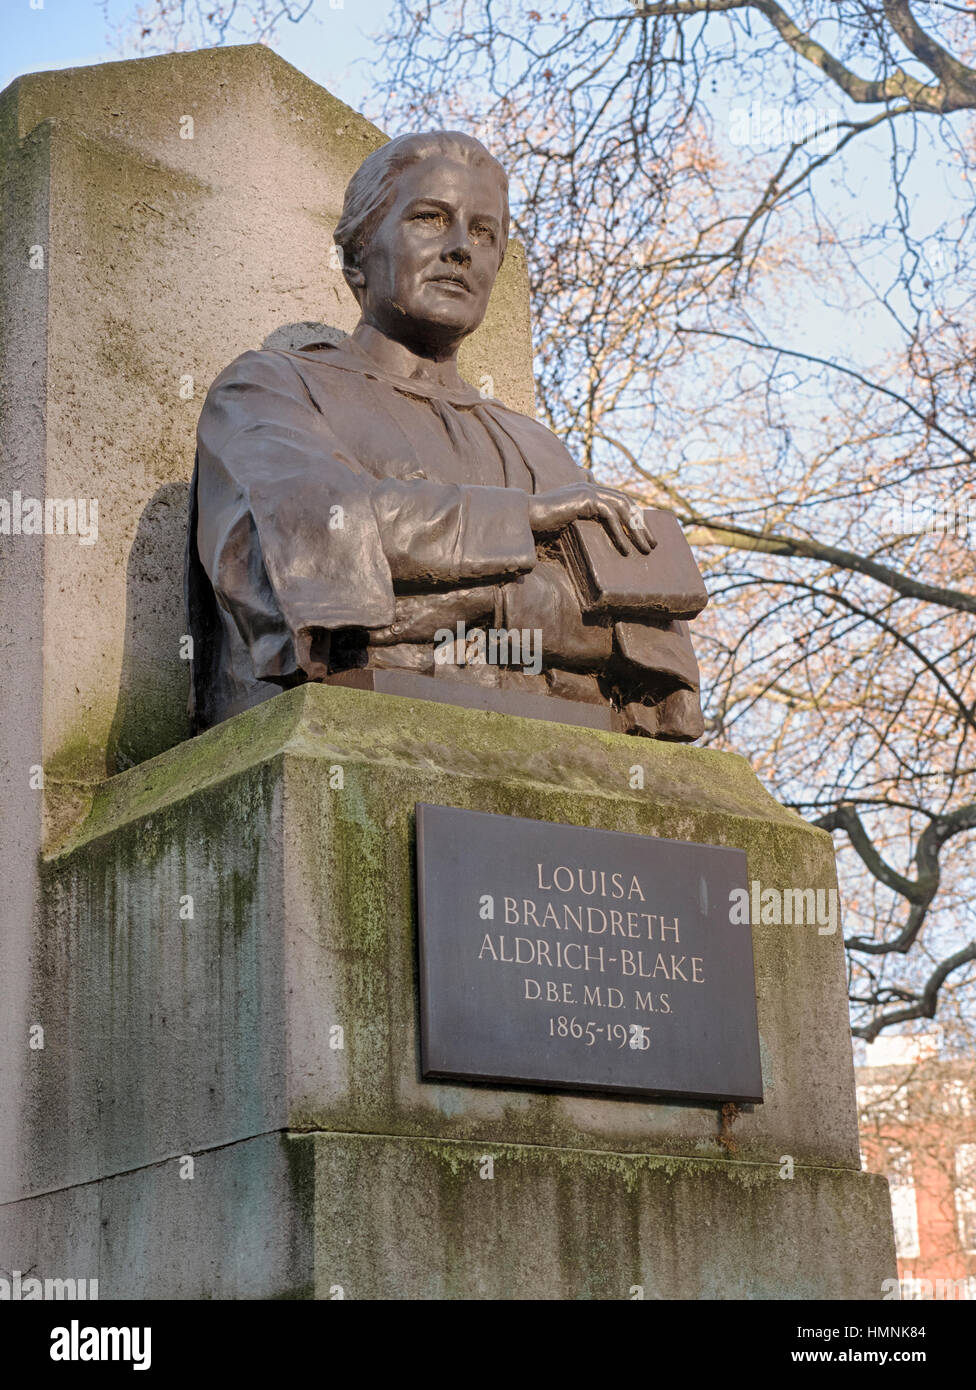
(371, 187)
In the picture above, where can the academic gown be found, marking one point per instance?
(339, 515)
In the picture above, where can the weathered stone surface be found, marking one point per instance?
(375, 1217)
(208, 1036)
(166, 1034)
(409, 1218)
(241, 1226)
(24, 214)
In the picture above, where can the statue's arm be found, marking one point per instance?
(295, 536)
(286, 531)
(453, 534)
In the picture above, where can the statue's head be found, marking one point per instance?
(423, 232)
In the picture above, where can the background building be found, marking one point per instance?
(917, 1112)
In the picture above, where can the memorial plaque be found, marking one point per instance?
(581, 959)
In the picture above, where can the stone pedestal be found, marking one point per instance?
(229, 906)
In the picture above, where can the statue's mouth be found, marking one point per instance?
(458, 280)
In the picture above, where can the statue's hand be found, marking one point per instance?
(552, 512)
(420, 616)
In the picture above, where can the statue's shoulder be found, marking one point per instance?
(538, 441)
(260, 385)
(274, 376)
(518, 418)
(257, 369)
(258, 363)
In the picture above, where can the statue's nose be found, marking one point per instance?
(460, 254)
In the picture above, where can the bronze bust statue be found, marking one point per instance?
(358, 509)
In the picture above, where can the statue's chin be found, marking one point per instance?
(432, 327)
(443, 326)
(436, 332)
(447, 307)
(447, 325)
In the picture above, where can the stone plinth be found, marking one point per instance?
(212, 1036)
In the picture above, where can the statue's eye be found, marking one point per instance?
(484, 233)
(428, 216)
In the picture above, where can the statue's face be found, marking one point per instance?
(430, 264)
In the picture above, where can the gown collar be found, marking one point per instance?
(350, 357)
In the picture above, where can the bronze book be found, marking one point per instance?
(663, 650)
(666, 582)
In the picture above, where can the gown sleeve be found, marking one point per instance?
(294, 535)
